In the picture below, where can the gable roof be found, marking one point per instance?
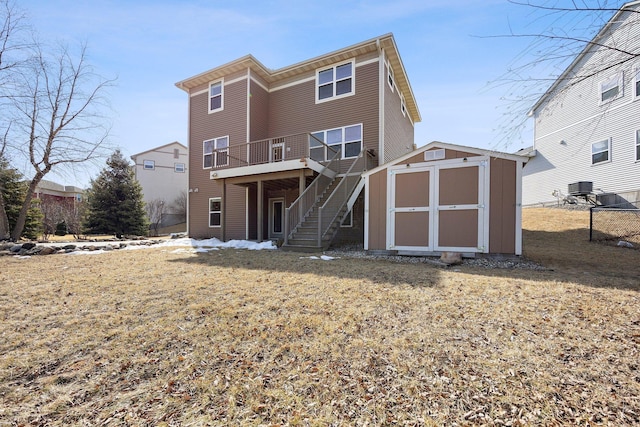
(447, 146)
(386, 42)
(133, 156)
(587, 49)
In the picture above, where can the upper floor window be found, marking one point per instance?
(403, 105)
(176, 153)
(345, 140)
(600, 151)
(335, 82)
(611, 88)
(390, 76)
(216, 91)
(636, 81)
(178, 167)
(149, 164)
(215, 152)
(638, 145)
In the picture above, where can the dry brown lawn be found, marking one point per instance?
(233, 337)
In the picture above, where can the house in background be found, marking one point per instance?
(162, 173)
(67, 195)
(445, 198)
(587, 124)
(279, 154)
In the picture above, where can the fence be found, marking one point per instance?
(616, 223)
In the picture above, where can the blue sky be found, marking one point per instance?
(150, 45)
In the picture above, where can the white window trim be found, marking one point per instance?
(636, 80)
(219, 199)
(403, 105)
(608, 151)
(214, 153)
(342, 144)
(150, 163)
(390, 77)
(221, 82)
(637, 146)
(334, 67)
(620, 80)
(178, 166)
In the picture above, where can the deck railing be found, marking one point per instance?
(269, 150)
(295, 213)
(329, 211)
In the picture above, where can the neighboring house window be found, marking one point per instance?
(390, 76)
(611, 88)
(178, 167)
(637, 82)
(149, 164)
(215, 212)
(638, 145)
(346, 140)
(216, 90)
(335, 82)
(600, 151)
(215, 152)
(176, 153)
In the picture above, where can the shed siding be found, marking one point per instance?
(502, 212)
(576, 116)
(378, 211)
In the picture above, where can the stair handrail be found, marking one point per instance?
(343, 190)
(305, 202)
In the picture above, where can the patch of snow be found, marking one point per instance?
(322, 257)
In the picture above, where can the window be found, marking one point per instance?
(335, 82)
(403, 105)
(178, 167)
(346, 140)
(215, 152)
(638, 146)
(149, 164)
(611, 88)
(216, 90)
(176, 153)
(215, 212)
(390, 76)
(600, 151)
(636, 81)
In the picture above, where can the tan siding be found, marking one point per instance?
(259, 113)
(235, 212)
(398, 129)
(502, 221)
(293, 110)
(458, 186)
(412, 229)
(230, 121)
(378, 210)
(458, 228)
(412, 189)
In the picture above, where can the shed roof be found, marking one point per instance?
(447, 146)
(273, 76)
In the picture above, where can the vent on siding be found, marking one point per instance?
(434, 155)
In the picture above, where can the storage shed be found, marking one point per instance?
(445, 197)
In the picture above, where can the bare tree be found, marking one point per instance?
(57, 116)
(155, 210)
(558, 33)
(179, 206)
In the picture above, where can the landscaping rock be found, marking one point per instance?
(15, 249)
(451, 258)
(48, 250)
(28, 245)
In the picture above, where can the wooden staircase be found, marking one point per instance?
(304, 238)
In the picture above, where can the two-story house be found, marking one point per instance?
(162, 174)
(587, 124)
(279, 154)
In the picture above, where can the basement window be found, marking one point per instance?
(215, 212)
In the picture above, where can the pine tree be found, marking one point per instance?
(13, 190)
(115, 201)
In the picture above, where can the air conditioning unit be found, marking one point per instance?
(580, 188)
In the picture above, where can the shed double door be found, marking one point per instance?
(438, 207)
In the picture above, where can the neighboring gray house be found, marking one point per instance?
(587, 125)
(162, 173)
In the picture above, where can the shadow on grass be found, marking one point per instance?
(567, 256)
(269, 262)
